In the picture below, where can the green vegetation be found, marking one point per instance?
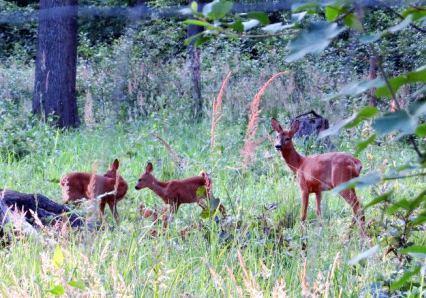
(126, 260)
(133, 82)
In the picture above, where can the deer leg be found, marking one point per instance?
(305, 202)
(350, 196)
(318, 201)
(102, 208)
(113, 207)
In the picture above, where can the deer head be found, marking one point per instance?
(147, 179)
(284, 138)
(112, 171)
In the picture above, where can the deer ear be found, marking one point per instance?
(276, 125)
(149, 167)
(115, 165)
(294, 127)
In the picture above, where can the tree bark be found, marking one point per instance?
(372, 74)
(56, 61)
(47, 210)
(195, 67)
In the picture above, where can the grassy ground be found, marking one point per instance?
(125, 260)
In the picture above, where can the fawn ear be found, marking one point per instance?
(115, 165)
(276, 125)
(149, 167)
(294, 127)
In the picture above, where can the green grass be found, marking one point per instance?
(126, 261)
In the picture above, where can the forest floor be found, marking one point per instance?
(262, 250)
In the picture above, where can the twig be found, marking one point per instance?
(393, 95)
(405, 176)
(402, 18)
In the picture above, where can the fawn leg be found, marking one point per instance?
(102, 208)
(318, 201)
(350, 196)
(305, 202)
(113, 207)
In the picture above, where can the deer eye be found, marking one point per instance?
(139, 180)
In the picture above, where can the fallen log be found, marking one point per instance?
(48, 211)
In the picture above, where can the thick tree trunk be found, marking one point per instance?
(372, 74)
(194, 61)
(55, 74)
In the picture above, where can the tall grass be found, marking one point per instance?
(264, 256)
(249, 140)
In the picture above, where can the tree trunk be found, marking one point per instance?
(372, 74)
(48, 211)
(194, 60)
(55, 74)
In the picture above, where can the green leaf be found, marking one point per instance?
(364, 144)
(205, 214)
(58, 257)
(416, 76)
(194, 6)
(379, 199)
(364, 255)
(414, 251)
(310, 7)
(57, 290)
(420, 219)
(260, 16)
(416, 202)
(314, 40)
(356, 88)
(363, 181)
(370, 38)
(276, 27)
(201, 24)
(213, 204)
(202, 40)
(421, 130)
(217, 9)
(399, 121)
(237, 26)
(404, 279)
(248, 25)
(353, 22)
(78, 284)
(364, 114)
(331, 13)
(401, 25)
(297, 17)
(417, 12)
(401, 204)
(201, 192)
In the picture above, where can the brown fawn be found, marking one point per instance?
(317, 173)
(177, 192)
(111, 187)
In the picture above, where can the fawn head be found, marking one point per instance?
(112, 171)
(284, 138)
(147, 178)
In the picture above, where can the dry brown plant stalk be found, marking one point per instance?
(249, 141)
(177, 159)
(217, 109)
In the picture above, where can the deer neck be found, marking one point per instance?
(159, 188)
(293, 159)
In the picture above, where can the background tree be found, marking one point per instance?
(194, 62)
(55, 74)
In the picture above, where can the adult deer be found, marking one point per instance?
(317, 173)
